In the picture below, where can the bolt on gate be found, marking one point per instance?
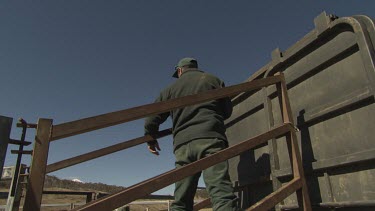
(47, 133)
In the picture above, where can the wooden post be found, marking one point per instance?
(34, 191)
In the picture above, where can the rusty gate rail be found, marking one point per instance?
(105, 120)
(105, 151)
(46, 132)
(151, 185)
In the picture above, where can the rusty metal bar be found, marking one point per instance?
(18, 142)
(34, 191)
(274, 198)
(272, 144)
(23, 152)
(28, 125)
(253, 184)
(101, 121)
(151, 185)
(292, 141)
(104, 151)
(203, 204)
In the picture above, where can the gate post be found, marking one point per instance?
(33, 198)
(303, 197)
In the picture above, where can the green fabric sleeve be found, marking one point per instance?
(153, 122)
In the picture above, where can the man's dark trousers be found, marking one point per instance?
(216, 177)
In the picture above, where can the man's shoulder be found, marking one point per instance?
(211, 76)
(168, 90)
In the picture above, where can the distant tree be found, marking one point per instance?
(55, 182)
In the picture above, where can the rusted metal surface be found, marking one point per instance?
(34, 191)
(297, 167)
(272, 145)
(22, 123)
(110, 119)
(330, 79)
(151, 185)
(26, 152)
(18, 142)
(44, 136)
(104, 151)
(274, 198)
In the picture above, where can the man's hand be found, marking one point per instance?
(153, 147)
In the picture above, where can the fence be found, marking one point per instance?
(47, 132)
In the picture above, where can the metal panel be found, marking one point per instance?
(330, 76)
(5, 127)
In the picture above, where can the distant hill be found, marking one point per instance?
(55, 182)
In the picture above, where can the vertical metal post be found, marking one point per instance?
(89, 197)
(10, 198)
(329, 187)
(5, 127)
(14, 199)
(19, 158)
(297, 167)
(37, 175)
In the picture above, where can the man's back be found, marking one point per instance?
(198, 131)
(205, 120)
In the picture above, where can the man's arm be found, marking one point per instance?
(151, 127)
(227, 105)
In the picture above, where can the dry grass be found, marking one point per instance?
(53, 199)
(68, 199)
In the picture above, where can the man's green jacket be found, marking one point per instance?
(205, 120)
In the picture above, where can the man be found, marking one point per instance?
(198, 131)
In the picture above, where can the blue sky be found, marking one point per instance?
(67, 60)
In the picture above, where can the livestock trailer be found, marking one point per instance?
(330, 79)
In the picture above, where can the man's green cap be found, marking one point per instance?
(188, 62)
